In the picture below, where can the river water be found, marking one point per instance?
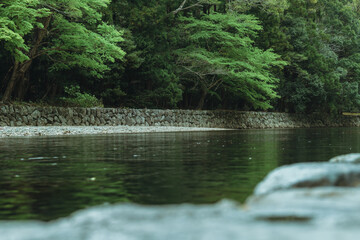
(45, 178)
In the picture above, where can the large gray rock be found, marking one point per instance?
(308, 175)
(225, 221)
(323, 206)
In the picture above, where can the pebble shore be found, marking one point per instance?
(90, 130)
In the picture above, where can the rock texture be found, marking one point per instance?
(324, 194)
(57, 116)
(310, 175)
(347, 158)
(29, 131)
(221, 221)
(322, 205)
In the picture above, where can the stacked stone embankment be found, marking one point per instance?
(14, 115)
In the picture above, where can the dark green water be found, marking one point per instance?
(50, 177)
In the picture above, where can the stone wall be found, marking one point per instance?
(56, 116)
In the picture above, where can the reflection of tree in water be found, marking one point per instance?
(60, 175)
(200, 167)
(318, 144)
(50, 177)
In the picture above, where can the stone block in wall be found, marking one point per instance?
(119, 117)
(168, 119)
(77, 121)
(136, 112)
(114, 121)
(11, 109)
(46, 111)
(56, 119)
(107, 116)
(85, 119)
(11, 118)
(41, 122)
(92, 119)
(149, 120)
(140, 120)
(62, 119)
(70, 113)
(81, 111)
(98, 112)
(130, 121)
(69, 119)
(7, 122)
(50, 119)
(35, 114)
(4, 109)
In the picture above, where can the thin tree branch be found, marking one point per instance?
(51, 58)
(181, 7)
(215, 83)
(57, 10)
(196, 73)
(194, 5)
(45, 52)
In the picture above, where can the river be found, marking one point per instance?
(45, 178)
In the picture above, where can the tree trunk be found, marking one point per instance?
(202, 99)
(20, 71)
(17, 80)
(11, 83)
(23, 86)
(53, 91)
(206, 9)
(186, 100)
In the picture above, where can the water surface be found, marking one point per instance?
(50, 177)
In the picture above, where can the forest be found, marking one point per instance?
(298, 56)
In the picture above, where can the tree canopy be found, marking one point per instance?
(71, 34)
(220, 54)
(285, 55)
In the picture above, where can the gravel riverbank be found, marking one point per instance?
(83, 130)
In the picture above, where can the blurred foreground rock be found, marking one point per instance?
(323, 206)
(318, 194)
(347, 158)
(310, 175)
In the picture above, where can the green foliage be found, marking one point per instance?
(270, 6)
(320, 41)
(78, 99)
(71, 34)
(19, 18)
(112, 96)
(78, 46)
(205, 54)
(88, 45)
(350, 97)
(166, 97)
(221, 54)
